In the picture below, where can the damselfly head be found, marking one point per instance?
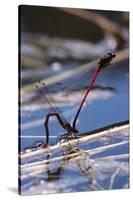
(106, 60)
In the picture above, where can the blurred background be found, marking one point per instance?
(65, 35)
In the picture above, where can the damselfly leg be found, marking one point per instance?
(67, 136)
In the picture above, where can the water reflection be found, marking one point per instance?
(87, 165)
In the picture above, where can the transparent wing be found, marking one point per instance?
(45, 97)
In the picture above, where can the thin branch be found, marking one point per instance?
(76, 142)
(113, 178)
(41, 165)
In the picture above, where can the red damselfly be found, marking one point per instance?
(71, 130)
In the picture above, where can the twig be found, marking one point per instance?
(41, 165)
(116, 157)
(113, 178)
(75, 142)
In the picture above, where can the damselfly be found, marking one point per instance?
(71, 130)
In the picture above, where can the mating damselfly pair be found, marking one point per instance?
(44, 91)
